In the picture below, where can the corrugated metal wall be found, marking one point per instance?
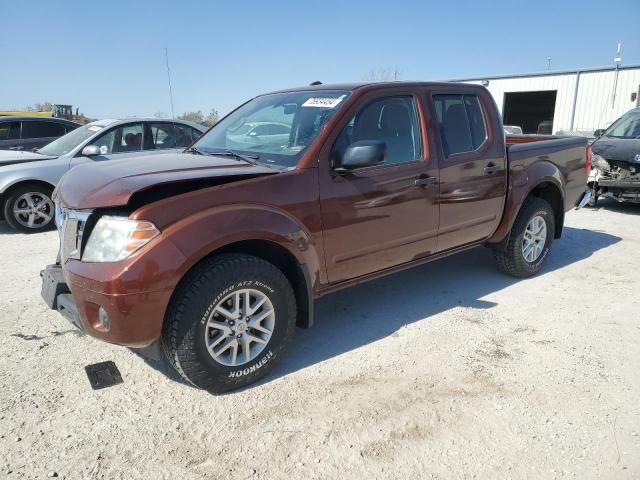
(595, 107)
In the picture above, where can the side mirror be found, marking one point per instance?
(90, 151)
(364, 153)
(598, 132)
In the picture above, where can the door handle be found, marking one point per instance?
(425, 181)
(491, 168)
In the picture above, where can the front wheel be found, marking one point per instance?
(229, 322)
(29, 209)
(530, 239)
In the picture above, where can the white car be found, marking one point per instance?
(27, 179)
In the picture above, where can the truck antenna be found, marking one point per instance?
(166, 57)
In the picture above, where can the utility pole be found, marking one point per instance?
(548, 63)
(617, 61)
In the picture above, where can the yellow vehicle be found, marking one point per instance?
(57, 111)
(25, 114)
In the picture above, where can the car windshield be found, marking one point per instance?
(70, 141)
(274, 129)
(627, 126)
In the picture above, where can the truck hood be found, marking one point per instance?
(113, 182)
(10, 157)
(617, 149)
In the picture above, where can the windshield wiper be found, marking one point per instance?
(193, 150)
(246, 158)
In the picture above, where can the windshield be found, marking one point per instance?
(69, 141)
(274, 129)
(627, 126)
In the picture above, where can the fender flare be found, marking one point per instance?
(215, 229)
(522, 183)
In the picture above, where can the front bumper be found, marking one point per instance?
(56, 295)
(133, 294)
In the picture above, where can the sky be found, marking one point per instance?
(108, 58)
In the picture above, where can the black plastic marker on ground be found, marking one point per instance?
(103, 375)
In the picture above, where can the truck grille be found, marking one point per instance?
(71, 228)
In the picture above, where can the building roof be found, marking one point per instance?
(548, 73)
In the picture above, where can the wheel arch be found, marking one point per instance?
(6, 193)
(549, 190)
(296, 273)
(552, 194)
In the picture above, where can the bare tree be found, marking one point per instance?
(383, 75)
(44, 107)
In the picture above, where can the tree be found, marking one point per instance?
(198, 117)
(383, 75)
(44, 107)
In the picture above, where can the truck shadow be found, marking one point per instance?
(369, 312)
(357, 316)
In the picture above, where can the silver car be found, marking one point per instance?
(27, 179)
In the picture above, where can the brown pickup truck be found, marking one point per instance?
(217, 253)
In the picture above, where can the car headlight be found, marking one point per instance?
(115, 238)
(600, 163)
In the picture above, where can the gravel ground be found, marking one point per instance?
(449, 370)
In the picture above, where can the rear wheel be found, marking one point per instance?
(29, 208)
(530, 239)
(229, 322)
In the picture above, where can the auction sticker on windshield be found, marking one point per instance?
(323, 102)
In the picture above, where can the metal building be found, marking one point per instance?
(574, 100)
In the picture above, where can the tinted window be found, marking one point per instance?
(170, 135)
(163, 135)
(392, 120)
(195, 134)
(183, 136)
(461, 122)
(9, 130)
(127, 138)
(42, 129)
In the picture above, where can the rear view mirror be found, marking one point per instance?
(90, 151)
(598, 132)
(290, 108)
(364, 153)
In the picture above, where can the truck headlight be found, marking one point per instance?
(600, 163)
(115, 238)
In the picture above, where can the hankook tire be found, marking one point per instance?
(530, 240)
(228, 322)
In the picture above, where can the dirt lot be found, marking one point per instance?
(450, 370)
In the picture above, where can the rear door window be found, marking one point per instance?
(184, 137)
(461, 120)
(170, 135)
(163, 136)
(9, 131)
(42, 129)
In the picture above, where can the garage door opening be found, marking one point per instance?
(533, 111)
